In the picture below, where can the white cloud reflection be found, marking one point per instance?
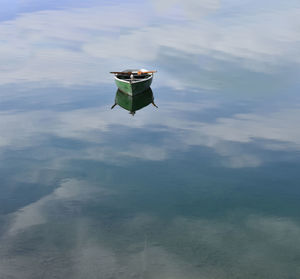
(205, 248)
(229, 137)
(69, 190)
(192, 8)
(80, 46)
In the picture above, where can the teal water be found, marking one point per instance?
(204, 186)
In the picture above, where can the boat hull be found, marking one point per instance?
(134, 103)
(135, 87)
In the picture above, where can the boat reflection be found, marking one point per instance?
(134, 103)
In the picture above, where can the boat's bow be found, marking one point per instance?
(133, 82)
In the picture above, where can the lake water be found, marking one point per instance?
(207, 185)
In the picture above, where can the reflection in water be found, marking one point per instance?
(134, 103)
(207, 187)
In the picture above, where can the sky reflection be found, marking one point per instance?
(196, 44)
(206, 186)
(96, 127)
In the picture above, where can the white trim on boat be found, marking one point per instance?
(134, 81)
(122, 80)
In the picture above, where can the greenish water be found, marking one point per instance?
(204, 186)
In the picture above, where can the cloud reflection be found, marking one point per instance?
(96, 129)
(80, 45)
(151, 247)
(36, 213)
(84, 229)
(113, 243)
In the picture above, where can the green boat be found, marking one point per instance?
(133, 82)
(134, 103)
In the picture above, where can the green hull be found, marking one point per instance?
(133, 88)
(134, 103)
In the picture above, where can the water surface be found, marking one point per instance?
(204, 186)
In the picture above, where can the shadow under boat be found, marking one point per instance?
(136, 102)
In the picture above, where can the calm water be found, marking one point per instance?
(204, 186)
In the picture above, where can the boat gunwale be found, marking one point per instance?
(134, 81)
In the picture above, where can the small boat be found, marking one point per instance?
(134, 103)
(133, 82)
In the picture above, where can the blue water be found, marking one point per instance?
(204, 186)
